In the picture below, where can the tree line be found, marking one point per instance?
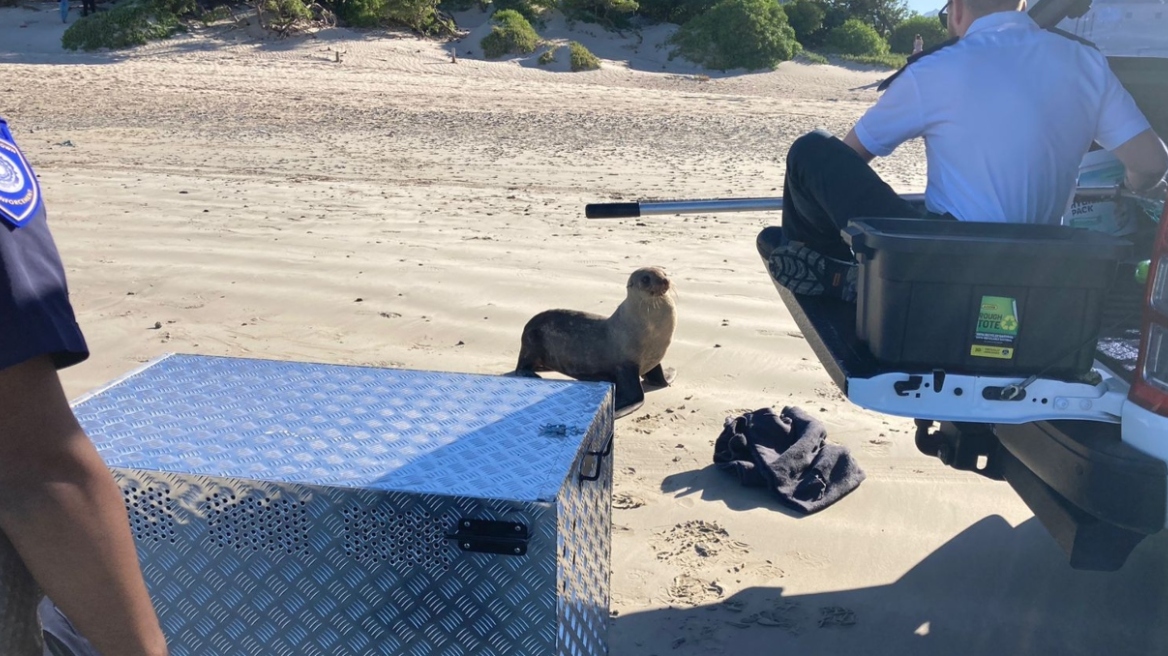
(718, 34)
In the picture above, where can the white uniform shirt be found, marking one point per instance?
(1007, 114)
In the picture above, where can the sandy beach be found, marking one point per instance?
(225, 194)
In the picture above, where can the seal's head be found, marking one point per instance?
(649, 281)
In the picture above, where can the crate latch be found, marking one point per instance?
(491, 536)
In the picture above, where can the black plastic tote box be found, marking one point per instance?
(982, 298)
(286, 508)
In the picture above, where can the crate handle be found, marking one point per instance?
(854, 236)
(600, 456)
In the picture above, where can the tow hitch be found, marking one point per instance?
(962, 445)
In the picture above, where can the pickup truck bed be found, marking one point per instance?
(1096, 495)
(1119, 341)
(830, 328)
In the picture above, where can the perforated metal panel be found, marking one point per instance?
(291, 508)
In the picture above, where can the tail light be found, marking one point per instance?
(1150, 389)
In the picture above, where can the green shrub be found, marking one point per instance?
(901, 39)
(813, 57)
(582, 59)
(458, 5)
(548, 57)
(532, 10)
(360, 13)
(418, 15)
(610, 13)
(127, 24)
(891, 60)
(750, 34)
(512, 34)
(678, 12)
(282, 15)
(834, 15)
(222, 12)
(856, 38)
(806, 18)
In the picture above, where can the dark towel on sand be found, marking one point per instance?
(786, 452)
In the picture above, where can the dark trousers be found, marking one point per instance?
(88, 7)
(826, 185)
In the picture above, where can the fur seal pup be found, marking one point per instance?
(619, 349)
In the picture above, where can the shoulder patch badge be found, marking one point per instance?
(20, 193)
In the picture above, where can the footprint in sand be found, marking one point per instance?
(830, 394)
(878, 446)
(626, 501)
(704, 552)
(694, 591)
(786, 615)
(701, 634)
(646, 423)
(697, 542)
(836, 616)
(755, 572)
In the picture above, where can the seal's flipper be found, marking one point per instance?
(629, 393)
(660, 377)
(628, 409)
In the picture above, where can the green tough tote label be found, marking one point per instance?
(997, 328)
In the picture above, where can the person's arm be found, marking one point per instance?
(64, 514)
(1125, 131)
(895, 118)
(854, 142)
(1145, 158)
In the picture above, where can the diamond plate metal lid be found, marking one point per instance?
(348, 426)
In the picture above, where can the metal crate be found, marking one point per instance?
(295, 508)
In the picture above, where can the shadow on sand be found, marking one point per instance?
(993, 589)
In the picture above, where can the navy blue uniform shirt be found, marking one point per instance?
(36, 317)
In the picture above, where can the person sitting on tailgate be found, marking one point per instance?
(1007, 110)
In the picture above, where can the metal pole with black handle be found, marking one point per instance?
(714, 205)
(641, 208)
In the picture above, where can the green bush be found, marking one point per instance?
(750, 34)
(582, 59)
(610, 13)
(548, 57)
(901, 39)
(883, 15)
(512, 34)
(222, 12)
(127, 24)
(813, 57)
(856, 38)
(360, 13)
(678, 12)
(834, 15)
(532, 10)
(806, 18)
(418, 15)
(281, 15)
(891, 60)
